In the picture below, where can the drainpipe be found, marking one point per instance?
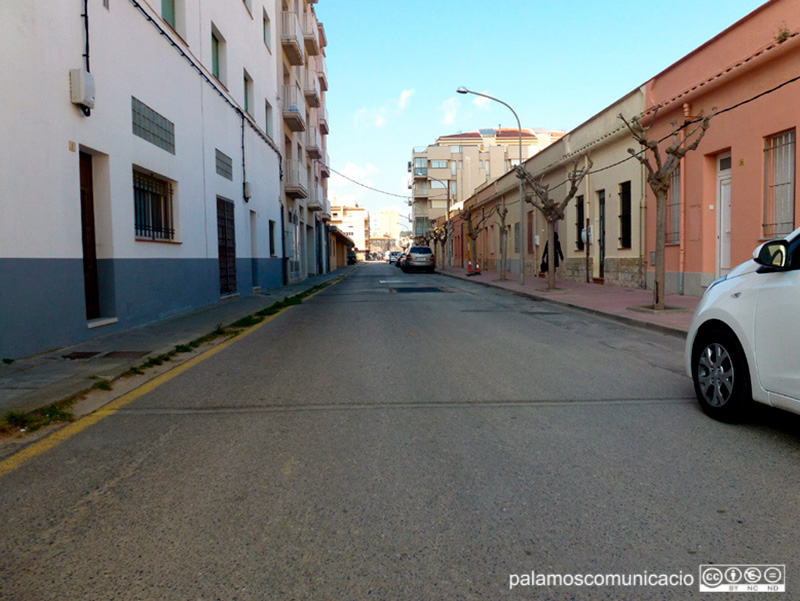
(682, 237)
(590, 217)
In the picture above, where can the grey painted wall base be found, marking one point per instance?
(42, 301)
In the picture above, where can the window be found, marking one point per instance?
(269, 118)
(625, 215)
(247, 84)
(168, 12)
(516, 237)
(218, 55)
(267, 31)
(224, 165)
(674, 208)
(455, 149)
(271, 238)
(580, 219)
(420, 166)
(152, 199)
(779, 159)
(151, 126)
(438, 164)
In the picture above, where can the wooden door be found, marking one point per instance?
(90, 277)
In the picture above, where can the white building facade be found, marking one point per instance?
(142, 169)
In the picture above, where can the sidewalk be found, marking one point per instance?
(35, 382)
(614, 302)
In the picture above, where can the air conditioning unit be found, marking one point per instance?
(81, 88)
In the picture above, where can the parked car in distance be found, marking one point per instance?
(351, 259)
(744, 340)
(419, 258)
(394, 255)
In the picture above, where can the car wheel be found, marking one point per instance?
(721, 376)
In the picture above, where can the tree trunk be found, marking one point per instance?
(551, 255)
(659, 285)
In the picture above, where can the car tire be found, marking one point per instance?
(721, 376)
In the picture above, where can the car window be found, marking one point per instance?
(421, 250)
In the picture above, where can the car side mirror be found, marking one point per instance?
(773, 254)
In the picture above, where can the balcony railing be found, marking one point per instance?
(322, 73)
(292, 45)
(311, 89)
(315, 202)
(313, 142)
(294, 108)
(324, 162)
(323, 121)
(296, 179)
(311, 33)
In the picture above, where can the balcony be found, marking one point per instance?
(292, 45)
(323, 121)
(294, 108)
(296, 179)
(313, 143)
(324, 161)
(311, 89)
(421, 173)
(311, 34)
(315, 201)
(322, 73)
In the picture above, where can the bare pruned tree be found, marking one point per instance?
(475, 228)
(553, 210)
(659, 178)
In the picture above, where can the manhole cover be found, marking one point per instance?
(420, 289)
(81, 355)
(125, 354)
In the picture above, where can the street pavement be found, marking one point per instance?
(406, 437)
(35, 382)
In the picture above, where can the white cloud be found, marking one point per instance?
(404, 96)
(482, 103)
(365, 118)
(450, 109)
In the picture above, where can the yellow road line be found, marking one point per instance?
(67, 432)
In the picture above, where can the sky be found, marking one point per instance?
(393, 70)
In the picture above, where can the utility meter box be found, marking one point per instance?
(81, 87)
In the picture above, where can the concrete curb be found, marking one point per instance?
(632, 321)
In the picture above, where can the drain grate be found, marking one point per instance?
(125, 354)
(81, 355)
(420, 289)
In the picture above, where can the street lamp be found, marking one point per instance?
(448, 250)
(463, 90)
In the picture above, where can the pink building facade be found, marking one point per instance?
(739, 187)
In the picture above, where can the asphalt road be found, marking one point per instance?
(383, 443)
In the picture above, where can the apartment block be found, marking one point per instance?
(144, 177)
(303, 139)
(450, 170)
(354, 223)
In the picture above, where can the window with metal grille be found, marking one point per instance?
(625, 215)
(674, 208)
(779, 159)
(152, 198)
(151, 126)
(224, 165)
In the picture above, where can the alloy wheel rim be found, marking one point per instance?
(715, 375)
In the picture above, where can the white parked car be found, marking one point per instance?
(744, 341)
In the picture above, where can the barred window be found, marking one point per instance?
(151, 126)
(224, 165)
(779, 158)
(674, 208)
(152, 198)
